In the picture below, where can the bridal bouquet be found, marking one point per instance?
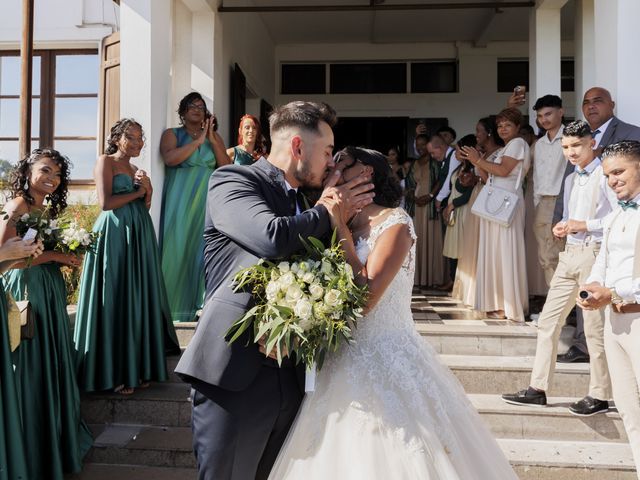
(306, 305)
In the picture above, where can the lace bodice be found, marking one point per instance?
(393, 311)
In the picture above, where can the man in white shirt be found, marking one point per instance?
(587, 202)
(549, 165)
(614, 283)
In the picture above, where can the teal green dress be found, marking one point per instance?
(13, 464)
(123, 328)
(242, 157)
(182, 226)
(55, 437)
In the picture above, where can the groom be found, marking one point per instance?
(243, 403)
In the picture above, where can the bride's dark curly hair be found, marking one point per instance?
(22, 171)
(385, 184)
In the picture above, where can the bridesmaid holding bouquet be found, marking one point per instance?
(123, 325)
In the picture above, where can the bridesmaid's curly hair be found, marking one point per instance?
(22, 172)
(117, 131)
(385, 184)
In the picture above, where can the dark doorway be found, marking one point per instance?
(378, 133)
(238, 101)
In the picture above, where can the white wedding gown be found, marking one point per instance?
(385, 408)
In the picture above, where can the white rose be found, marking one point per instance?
(47, 231)
(295, 267)
(304, 266)
(272, 290)
(283, 267)
(332, 298)
(25, 217)
(294, 292)
(308, 277)
(287, 279)
(53, 223)
(316, 291)
(303, 309)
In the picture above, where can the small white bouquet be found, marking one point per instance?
(306, 305)
(72, 238)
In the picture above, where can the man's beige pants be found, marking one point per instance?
(549, 247)
(574, 267)
(621, 341)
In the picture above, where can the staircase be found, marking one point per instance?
(147, 435)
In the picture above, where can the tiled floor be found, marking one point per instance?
(430, 306)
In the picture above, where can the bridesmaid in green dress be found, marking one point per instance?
(250, 146)
(13, 464)
(191, 153)
(123, 326)
(55, 437)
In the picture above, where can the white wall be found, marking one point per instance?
(59, 23)
(477, 94)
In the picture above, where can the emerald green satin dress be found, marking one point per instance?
(123, 328)
(242, 157)
(55, 437)
(13, 464)
(184, 200)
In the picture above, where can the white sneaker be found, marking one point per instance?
(534, 319)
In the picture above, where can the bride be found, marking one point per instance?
(384, 407)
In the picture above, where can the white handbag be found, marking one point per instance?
(497, 204)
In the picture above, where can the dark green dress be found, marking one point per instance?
(184, 200)
(13, 464)
(242, 157)
(123, 326)
(55, 437)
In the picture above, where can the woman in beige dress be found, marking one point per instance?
(464, 286)
(429, 260)
(501, 288)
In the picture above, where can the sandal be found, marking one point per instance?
(122, 390)
(496, 315)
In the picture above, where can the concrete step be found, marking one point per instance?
(128, 444)
(501, 374)
(474, 339)
(92, 471)
(553, 422)
(184, 332)
(571, 460)
(165, 404)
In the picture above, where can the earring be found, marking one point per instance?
(26, 185)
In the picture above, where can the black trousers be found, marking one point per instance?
(237, 435)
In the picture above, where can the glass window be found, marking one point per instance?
(10, 75)
(76, 117)
(567, 75)
(368, 77)
(77, 74)
(10, 117)
(512, 73)
(303, 78)
(82, 154)
(9, 152)
(434, 77)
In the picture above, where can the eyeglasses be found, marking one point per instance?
(195, 106)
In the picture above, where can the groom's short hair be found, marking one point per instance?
(299, 114)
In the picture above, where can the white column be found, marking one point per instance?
(145, 79)
(617, 39)
(584, 41)
(544, 49)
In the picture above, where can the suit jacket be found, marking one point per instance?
(615, 132)
(248, 218)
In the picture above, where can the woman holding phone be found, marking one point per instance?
(191, 153)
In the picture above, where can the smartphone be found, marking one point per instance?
(30, 235)
(520, 90)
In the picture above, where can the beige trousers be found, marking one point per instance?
(573, 269)
(621, 340)
(549, 247)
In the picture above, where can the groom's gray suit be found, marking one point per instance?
(243, 404)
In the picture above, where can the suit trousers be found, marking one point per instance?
(237, 435)
(549, 247)
(621, 340)
(573, 269)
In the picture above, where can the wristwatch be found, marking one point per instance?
(615, 298)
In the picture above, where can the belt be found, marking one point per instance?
(626, 307)
(576, 246)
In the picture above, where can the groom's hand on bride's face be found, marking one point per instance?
(345, 200)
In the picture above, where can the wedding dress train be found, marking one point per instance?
(385, 408)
